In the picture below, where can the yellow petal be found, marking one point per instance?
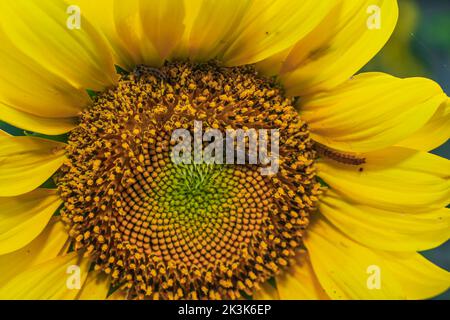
(435, 132)
(419, 278)
(267, 292)
(339, 47)
(4, 134)
(114, 34)
(371, 111)
(29, 81)
(300, 282)
(51, 280)
(96, 287)
(129, 39)
(28, 86)
(163, 24)
(26, 163)
(30, 122)
(41, 30)
(23, 218)
(45, 247)
(269, 27)
(395, 179)
(345, 269)
(386, 230)
(208, 27)
(118, 295)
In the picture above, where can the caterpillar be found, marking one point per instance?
(339, 156)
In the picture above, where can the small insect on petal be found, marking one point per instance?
(339, 156)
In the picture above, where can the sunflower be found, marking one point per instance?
(91, 206)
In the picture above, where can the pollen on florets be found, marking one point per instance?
(181, 231)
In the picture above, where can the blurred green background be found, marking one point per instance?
(420, 46)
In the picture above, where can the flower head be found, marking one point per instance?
(354, 196)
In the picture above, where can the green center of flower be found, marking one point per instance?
(186, 230)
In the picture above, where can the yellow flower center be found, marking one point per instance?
(185, 231)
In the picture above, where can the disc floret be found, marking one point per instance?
(177, 231)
